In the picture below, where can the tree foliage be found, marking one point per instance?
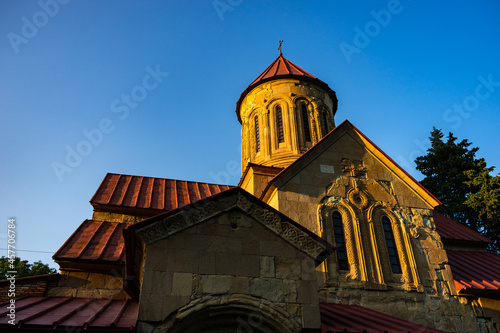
(463, 183)
(23, 267)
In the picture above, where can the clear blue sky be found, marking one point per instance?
(399, 68)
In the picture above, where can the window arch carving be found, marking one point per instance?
(382, 217)
(327, 212)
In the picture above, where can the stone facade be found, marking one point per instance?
(234, 265)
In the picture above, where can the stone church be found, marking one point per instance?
(324, 233)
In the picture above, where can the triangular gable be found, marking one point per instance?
(165, 225)
(326, 142)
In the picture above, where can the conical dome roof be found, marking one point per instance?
(278, 69)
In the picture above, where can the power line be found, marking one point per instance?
(29, 251)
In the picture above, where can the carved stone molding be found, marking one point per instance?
(205, 209)
(265, 313)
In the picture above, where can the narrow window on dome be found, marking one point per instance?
(279, 124)
(391, 246)
(257, 134)
(340, 241)
(305, 124)
(325, 123)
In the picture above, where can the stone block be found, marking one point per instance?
(270, 248)
(267, 267)
(247, 265)
(288, 268)
(151, 307)
(310, 316)
(216, 284)
(209, 229)
(239, 285)
(309, 272)
(176, 241)
(287, 250)
(181, 260)
(233, 244)
(271, 289)
(206, 264)
(307, 291)
(225, 264)
(182, 284)
(250, 246)
(290, 291)
(171, 304)
(216, 244)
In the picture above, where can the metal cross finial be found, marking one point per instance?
(279, 47)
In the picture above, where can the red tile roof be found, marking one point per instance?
(157, 194)
(95, 241)
(475, 270)
(281, 68)
(450, 229)
(355, 318)
(59, 312)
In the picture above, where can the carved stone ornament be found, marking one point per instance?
(355, 168)
(358, 198)
(208, 208)
(414, 232)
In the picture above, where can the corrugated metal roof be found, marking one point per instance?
(450, 229)
(151, 193)
(354, 318)
(475, 270)
(59, 312)
(95, 241)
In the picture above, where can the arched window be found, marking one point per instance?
(279, 124)
(257, 134)
(391, 245)
(325, 122)
(340, 241)
(305, 124)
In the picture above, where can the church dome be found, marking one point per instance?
(283, 112)
(279, 69)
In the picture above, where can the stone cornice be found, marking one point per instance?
(163, 226)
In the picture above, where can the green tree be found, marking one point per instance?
(23, 267)
(463, 183)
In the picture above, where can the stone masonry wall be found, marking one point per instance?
(230, 257)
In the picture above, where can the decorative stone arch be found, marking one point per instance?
(235, 313)
(251, 145)
(405, 252)
(285, 103)
(326, 119)
(310, 108)
(326, 209)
